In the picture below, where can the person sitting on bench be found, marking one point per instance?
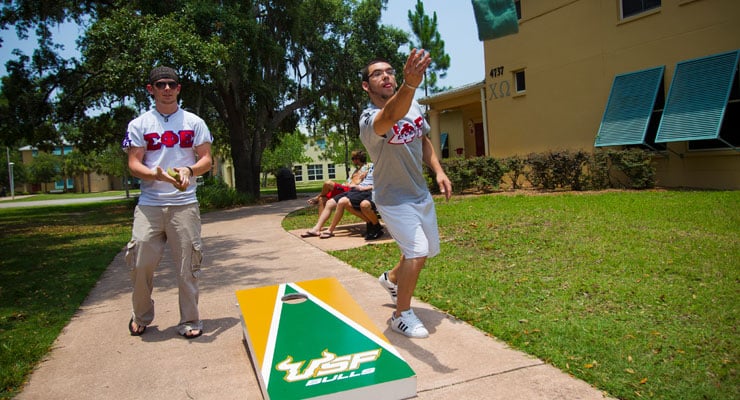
(331, 188)
(365, 186)
(358, 201)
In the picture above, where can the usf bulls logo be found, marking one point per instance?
(310, 340)
(329, 367)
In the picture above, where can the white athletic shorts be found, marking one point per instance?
(413, 226)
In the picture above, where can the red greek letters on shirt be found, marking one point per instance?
(155, 141)
(406, 133)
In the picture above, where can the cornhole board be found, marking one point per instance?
(311, 340)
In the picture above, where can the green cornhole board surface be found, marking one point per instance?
(311, 340)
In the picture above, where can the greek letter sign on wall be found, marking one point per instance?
(500, 87)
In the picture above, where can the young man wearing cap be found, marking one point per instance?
(393, 130)
(166, 138)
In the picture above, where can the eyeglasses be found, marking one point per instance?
(161, 85)
(378, 73)
(355, 158)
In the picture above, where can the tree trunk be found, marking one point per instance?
(246, 162)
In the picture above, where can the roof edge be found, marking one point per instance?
(460, 90)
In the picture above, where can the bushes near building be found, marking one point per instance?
(552, 170)
(216, 194)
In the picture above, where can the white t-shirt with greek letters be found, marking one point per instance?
(168, 144)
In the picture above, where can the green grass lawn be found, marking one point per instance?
(62, 196)
(307, 187)
(51, 259)
(634, 292)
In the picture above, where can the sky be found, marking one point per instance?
(456, 25)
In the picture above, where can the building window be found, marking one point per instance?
(59, 185)
(519, 82)
(708, 116)
(518, 6)
(729, 130)
(298, 173)
(633, 111)
(332, 170)
(634, 7)
(444, 138)
(315, 172)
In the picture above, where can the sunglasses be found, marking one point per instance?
(164, 84)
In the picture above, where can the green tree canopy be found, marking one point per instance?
(45, 167)
(251, 68)
(289, 151)
(425, 30)
(19, 170)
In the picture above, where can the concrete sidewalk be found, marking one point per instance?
(96, 358)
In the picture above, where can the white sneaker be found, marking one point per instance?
(409, 324)
(391, 287)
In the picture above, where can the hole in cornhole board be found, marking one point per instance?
(294, 298)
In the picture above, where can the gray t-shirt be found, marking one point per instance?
(397, 157)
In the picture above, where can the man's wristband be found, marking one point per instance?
(411, 86)
(191, 171)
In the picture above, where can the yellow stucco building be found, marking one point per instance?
(586, 74)
(88, 182)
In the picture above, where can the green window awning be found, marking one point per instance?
(697, 99)
(630, 105)
(495, 18)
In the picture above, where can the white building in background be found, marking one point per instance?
(318, 170)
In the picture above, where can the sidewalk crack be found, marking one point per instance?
(483, 377)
